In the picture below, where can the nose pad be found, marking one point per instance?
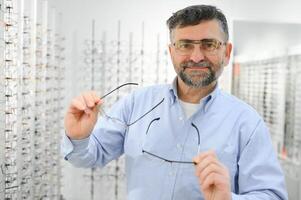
(197, 55)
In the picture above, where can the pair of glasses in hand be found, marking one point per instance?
(169, 160)
(119, 121)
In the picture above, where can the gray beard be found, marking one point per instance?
(206, 80)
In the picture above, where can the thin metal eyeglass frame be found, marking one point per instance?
(168, 160)
(199, 42)
(118, 120)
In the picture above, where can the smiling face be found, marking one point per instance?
(195, 61)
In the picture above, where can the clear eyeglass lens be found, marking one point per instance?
(187, 47)
(114, 120)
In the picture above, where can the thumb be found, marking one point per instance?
(96, 108)
(196, 159)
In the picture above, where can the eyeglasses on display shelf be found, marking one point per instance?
(25, 93)
(272, 91)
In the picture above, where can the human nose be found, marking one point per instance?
(197, 54)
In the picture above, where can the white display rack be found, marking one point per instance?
(271, 86)
(261, 83)
(31, 83)
(108, 62)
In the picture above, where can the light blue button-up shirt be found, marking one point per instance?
(227, 125)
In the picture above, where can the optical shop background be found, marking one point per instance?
(52, 50)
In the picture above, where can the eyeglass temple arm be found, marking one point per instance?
(156, 119)
(146, 113)
(170, 161)
(198, 132)
(117, 89)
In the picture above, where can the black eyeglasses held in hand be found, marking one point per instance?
(119, 121)
(168, 160)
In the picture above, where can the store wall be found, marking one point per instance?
(254, 38)
(76, 25)
(77, 16)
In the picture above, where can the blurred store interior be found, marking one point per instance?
(51, 50)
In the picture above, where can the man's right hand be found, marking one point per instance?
(81, 115)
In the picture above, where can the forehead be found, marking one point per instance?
(206, 29)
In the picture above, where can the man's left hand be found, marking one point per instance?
(213, 176)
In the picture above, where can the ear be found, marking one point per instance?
(169, 48)
(227, 53)
(171, 51)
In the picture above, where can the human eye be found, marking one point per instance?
(210, 44)
(182, 45)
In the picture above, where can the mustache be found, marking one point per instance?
(194, 64)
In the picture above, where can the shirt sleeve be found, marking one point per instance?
(74, 149)
(105, 142)
(259, 173)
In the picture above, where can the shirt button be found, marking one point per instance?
(180, 118)
(179, 146)
(171, 173)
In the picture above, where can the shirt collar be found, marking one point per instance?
(206, 101)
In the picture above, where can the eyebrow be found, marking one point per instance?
(192, 41)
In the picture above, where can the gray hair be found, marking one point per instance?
(193, 15)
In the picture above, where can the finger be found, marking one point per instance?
(209, 193)
(210, 180)
(98, 102)
(89, 99)
(77, 105)
(96, 109)
(203, 155)
(87, 109)
(213, 179)
(204, 163)
(211, 168)
(96, 98)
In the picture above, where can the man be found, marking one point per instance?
(187, 140)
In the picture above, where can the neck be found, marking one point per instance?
(193, 95)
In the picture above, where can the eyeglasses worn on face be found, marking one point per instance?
(169, 160)
(186, 47)
(119, 121)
